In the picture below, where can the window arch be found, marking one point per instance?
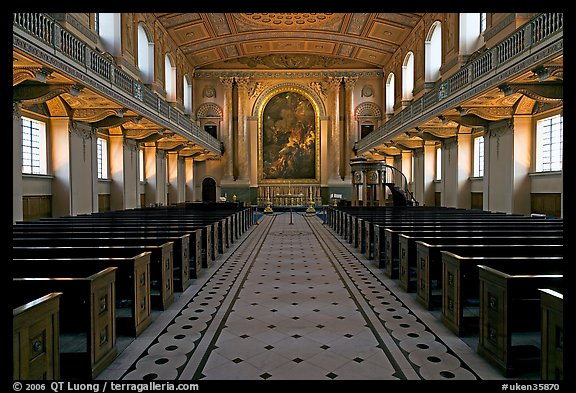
(169, 78)
(390, 93)
(145, 55)
(109, 29)
(471, 38)
(187, 95)
(408, 77)
(433, 53)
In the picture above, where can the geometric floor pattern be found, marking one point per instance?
(291, 301)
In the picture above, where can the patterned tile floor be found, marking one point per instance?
(290, 301)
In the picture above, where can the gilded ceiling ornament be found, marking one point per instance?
(294, 19)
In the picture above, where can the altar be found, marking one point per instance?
(289, 195)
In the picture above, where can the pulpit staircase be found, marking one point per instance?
(397, 183)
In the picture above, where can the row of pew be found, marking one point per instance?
(78, 282)
(496, 276)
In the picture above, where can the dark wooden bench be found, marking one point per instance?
(510, 311)
(161, 257)
(193, 247)
(552, 342)
(87, 321)
(460, 294)
(36, 339)
(144, 227)
(413, 269)
(386, 248)
(181, 247)
(133, 302)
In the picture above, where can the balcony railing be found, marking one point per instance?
(51, 33)
(541, 28)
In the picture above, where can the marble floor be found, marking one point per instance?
(291, 301)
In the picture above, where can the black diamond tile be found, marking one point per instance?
(320, 326)
(249, 318)
(293, 292)
(295, 318)
(265, 376)
(237, 360)
(341, 317)
(271, 326)
(325, 346)
(358, 360)
(253, 304)
(331, 375)
(297, 360)
(296, 336)
(335, 303)
(294, 304)
(244, 336)
(269, 347)
(346, 335)
(316, 310)
(273, 310)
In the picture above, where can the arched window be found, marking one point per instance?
(169, 78)
(433, 53)
(109, 30)
(471, 38)
(145, 55)
(187, 95)
(408, 77)
(390, 93)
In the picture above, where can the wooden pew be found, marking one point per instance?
(133, 303)
(387, 248)
(509, 310)
(185, 243)
(460, 293)
(36, 339)
(87, 321)
(141, 227)
(423, 271)
(161, 257)
(552, 342)
(181, 247)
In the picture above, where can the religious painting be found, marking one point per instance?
(289, 139)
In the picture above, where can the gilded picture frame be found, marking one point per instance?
(288, 138)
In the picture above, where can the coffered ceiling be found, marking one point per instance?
(288, 40)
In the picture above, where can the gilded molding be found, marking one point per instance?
(319, 88)
(272, 90)
(256, 89)
(296, 74)
(16, 110)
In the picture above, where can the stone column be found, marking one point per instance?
(242, 137)
(350, 132)
(227, 131)
(82, 169)
(334, 140)
(189, 173)
(172, 181)
(17, 192)
(117, 171)
(150, 173)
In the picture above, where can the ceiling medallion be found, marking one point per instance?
(294, 19)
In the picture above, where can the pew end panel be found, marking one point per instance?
(510, 311)
(87, 319)
(35, 339)
(552, 342)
